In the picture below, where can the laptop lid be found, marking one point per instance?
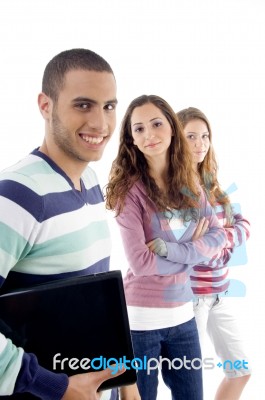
(73, 325)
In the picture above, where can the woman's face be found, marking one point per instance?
(151, 130)
(197, 135)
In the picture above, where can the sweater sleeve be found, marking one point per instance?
(19, 371)
(34, 379)
(238, 233)
(234, 251)
(204, 248)
(18, 228)
(10, 362)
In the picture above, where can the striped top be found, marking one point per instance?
(212, 277)
(48, 230)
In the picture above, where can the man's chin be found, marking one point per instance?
(95, 157)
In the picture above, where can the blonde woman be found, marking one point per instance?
(211, 285)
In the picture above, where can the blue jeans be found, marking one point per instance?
(180, 342)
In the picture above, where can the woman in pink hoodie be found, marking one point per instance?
(167, 227)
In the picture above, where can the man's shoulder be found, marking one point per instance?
(19, 186)
(35, 174)
(23, 172)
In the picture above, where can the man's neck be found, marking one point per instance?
(72, 170)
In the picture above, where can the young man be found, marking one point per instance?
(52, 216)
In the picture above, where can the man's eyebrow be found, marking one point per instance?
(87, 99)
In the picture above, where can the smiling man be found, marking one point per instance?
(80, 118)
(52, 216)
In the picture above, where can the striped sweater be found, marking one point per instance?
(212, 277)
(48, 230)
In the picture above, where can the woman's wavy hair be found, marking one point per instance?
(130, 166)
(208, 168)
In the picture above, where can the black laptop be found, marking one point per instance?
(73, 325)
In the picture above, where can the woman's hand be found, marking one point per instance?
(158, 246)
(200, 229)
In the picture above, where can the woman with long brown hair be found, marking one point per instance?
(167, 226)
(210, 284)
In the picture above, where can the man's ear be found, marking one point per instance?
(45, 105)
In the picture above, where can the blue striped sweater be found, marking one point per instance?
(48, 230)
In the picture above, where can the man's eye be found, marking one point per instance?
(110, 107)
(83, 106)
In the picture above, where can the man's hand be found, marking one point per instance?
(129, 392)
(200, 229)
(85, 386)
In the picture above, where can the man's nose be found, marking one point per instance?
(96, 120)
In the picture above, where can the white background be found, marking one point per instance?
(203, 53)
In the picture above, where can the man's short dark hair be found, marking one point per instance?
(74, 59)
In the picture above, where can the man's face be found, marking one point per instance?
(84, 117)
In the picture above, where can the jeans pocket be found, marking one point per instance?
(138, 333)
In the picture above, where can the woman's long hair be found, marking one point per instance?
(130, 166)
(208, 168)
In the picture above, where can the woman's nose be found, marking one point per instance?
(198, 142)
(148, 134)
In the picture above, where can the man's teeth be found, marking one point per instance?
(92, 140)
